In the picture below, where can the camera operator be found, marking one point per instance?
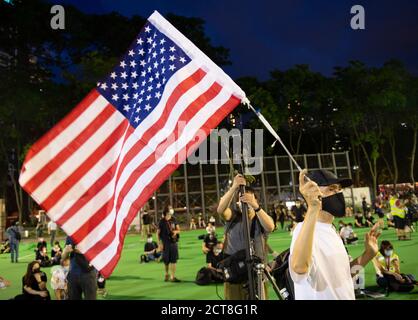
(259, 221)
(168, 236)
(319, 263)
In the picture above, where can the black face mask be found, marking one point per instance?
(37, 270)
(334, 205)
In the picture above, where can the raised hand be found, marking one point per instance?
(370, 240)
(239, 180)
(310, 191)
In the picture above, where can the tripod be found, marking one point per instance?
(256, 269)
(260, 270)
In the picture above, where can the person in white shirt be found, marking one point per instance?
(52, 231)
(212, 220)
(319, 265)
(210, 228)
(347, 234)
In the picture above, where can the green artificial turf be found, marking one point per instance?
(132, 280)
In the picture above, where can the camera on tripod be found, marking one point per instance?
(235, 267)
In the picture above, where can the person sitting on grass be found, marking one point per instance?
(56, 253)
(211, 273)
(41, 243)
(215, 256)
(43, 259)
(59, 279)
(209, 243)
(348, 235)
(5, 247)
(192, 225)
(358, 222)
(369, 219)
(151, 251)
(388, 273)
(379, 211)
(34, 284)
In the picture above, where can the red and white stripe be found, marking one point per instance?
(92, 172)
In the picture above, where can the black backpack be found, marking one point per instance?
(282, 275)
(18, 236)
(207, 276)
(234, 267)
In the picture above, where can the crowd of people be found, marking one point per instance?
(71, 275)
(317, 239)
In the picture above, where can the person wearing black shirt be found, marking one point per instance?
(281, 212)
(168, 236)
(42, 258)
(369, 219)
(146, 223)
(215, 256)
(82, 277)
(34, 284)
(298, 211)
(364, 207)
(209, 243)
(151, 251)
(358, 216)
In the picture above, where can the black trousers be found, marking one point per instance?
(81, 284)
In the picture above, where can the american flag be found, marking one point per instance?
(98, 166)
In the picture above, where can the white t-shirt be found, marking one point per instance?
(345, 232)
(59, 277)
(329, 276)
(52, 225)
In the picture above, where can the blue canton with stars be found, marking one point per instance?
(136, 86)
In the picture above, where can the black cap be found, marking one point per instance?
(326, 178)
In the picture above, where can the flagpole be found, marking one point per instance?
(268, 126)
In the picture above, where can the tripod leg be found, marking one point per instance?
(274, 285)
(260, 286)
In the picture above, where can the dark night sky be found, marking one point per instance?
(264, 35)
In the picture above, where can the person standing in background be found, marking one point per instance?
(397, 209)
(40, 223)
(281, 212)
(14, 236)
(146, 223)
(364, 207)
(168, 236)
(52, 231)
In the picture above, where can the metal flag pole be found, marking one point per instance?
(275, 135)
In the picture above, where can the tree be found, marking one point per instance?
(390, 99)
(360, 114)
(411, 113)
(299, 93)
